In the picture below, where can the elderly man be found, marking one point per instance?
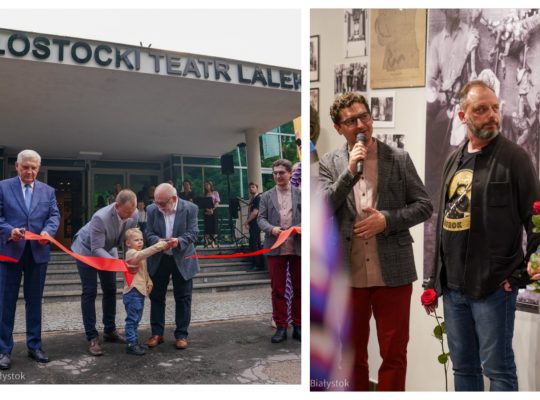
(479, 262)
(25, 204)
(279, 209)
(174, 220)
(101, 237)
(376, 196)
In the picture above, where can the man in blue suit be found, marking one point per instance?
(174, 220)
(25, 204)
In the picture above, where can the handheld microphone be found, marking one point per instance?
(360, 137)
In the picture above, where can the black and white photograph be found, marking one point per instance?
(314, 98)
(314, 58)
(498, 46)
(382, 108)
(355, 32)
(392, 139)
(350, 77)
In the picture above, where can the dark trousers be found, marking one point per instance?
(255, 244)
(182, 290)
(134, 303)
(277, 266)
(88, 299)
(10, 282)
(391, 308)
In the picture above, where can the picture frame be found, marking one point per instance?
(314, 98)
(398, 48)
(383, 108)
(314, 58)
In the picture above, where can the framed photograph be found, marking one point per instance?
(382, 105)
(350, 78)
(314, 98)
(398, 48)
(392, 139)
(314, 59)
(355, 28)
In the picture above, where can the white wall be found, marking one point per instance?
(424, 371)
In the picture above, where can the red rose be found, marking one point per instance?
(429, 297)
(536, 207)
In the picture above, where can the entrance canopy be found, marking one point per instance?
(63, 96)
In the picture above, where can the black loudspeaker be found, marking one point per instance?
(227, 165)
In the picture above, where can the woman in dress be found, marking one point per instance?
(210, 220)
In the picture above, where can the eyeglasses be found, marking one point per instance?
(162, 204)
(279, 172)
(352, 121)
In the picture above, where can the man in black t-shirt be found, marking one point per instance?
(254, 230)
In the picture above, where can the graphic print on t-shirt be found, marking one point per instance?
(457, 215)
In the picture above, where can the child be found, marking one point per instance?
(141, 285)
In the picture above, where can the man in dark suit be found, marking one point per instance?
(25, 204)
(174, 220)
(101, 237)
(279, 209)
(251, 224)
(374, 207)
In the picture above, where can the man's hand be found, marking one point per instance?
(431, 308)
(534, 273)
(172, 243)
(17, 234)
(358, 152)
(370, 226)
(43, 242)
(276, 230)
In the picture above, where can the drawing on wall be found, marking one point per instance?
(498, 46)
(398, 50)
(314, 98)
(314, 58)
(350, 78)
(382, 108)
(355, 32)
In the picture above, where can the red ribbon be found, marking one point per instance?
(284, 235)
(100, 263)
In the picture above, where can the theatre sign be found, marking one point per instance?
(72, 51)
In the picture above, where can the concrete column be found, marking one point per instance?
(253, 153)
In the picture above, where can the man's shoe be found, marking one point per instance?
(154, 340)
(5, 361)
(94, 348)
(38, 355)
(181, 344)
(114, 337)
(297, 333)
(280, 335)
(135, 349)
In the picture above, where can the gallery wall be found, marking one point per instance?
(409, 119)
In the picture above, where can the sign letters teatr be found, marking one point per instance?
(20, 45)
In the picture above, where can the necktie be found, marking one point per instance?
(27, 195)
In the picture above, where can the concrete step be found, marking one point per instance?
(69, 271)
(54, 285)
(75, 295)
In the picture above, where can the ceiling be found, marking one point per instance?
(60, 110)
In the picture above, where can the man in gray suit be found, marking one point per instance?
(174, 220)
(101, 237)
(374, 203)
(279, 209)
